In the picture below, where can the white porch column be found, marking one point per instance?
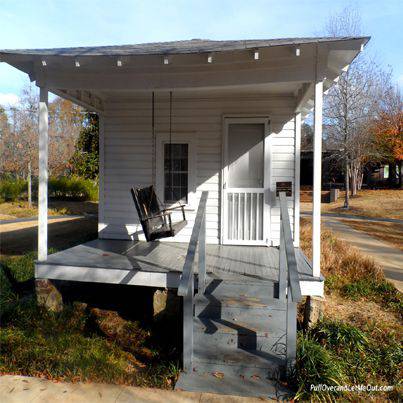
(43, 176)
(317, 176)
(297, 186)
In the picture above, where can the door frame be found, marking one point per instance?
(239, 119)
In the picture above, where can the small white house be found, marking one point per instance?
(188, 117)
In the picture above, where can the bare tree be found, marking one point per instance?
(20, 142)
(351, 104)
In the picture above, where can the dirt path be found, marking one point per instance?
(388, 257)
(19, 238)
(356, 217)
(28, 389)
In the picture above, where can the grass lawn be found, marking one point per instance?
(370, 203)
(20, 209)
(359, 340)
(85, 342)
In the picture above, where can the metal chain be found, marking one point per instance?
(154, 156)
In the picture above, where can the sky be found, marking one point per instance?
(65, 23)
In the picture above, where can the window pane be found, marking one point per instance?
(245, 155)
(176, 172)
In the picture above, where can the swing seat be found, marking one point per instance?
(156, 222)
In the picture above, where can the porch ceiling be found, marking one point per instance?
(282, 66)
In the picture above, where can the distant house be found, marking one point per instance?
(216, 127)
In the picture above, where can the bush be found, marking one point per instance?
(74, 188)
(12, 189)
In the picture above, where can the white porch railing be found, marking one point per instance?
(186, 285)
(289, 287)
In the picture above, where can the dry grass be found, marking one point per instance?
(21, 209)
(391, 233)
(338, 259)
(344, 265)
(370, 203)
(366, 315)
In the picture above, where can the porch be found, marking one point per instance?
(160, 264)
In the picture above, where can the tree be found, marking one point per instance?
(20, 142)
(66, 120)
(306, 137)
(388, 129)
(351, 105)
(85, 160)
(4, 125)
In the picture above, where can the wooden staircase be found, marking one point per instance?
(239, 341)
(239, 336)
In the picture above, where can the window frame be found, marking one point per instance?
(180, 138)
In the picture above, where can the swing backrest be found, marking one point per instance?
(146, 202)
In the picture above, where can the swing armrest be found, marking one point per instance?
(177, 208)
(161, 215)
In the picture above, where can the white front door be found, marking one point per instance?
(245, 181)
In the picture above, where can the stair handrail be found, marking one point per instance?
(289, 286)
(186, 283)
(287, 251)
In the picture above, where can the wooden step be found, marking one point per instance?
(239, 332)
(265, 289)
(238, 307)
(256, 336)
(237, 357)
(224, 380)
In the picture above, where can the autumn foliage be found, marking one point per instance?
(388, 128)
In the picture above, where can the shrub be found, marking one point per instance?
(12, 189)
(314, 366)
(74, 188)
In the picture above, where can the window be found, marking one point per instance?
(245, 155)
(176, 172)
(386, 172)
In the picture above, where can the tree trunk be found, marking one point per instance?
(29, 185)
(346, 185)
(401, 175)
(360, 180)
(354, 178)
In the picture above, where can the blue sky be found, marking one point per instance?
(59, 23)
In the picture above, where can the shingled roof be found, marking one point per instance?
(176, 47)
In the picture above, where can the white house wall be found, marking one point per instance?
(126, 153)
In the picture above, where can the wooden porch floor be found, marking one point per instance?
(159, 264)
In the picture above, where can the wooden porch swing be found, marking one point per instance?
(156, 221)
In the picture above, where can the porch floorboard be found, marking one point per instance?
(161, 263)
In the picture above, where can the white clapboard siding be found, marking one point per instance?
(128, 154)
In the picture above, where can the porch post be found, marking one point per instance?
(297, 179)
(43, 176)
(317, 176)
